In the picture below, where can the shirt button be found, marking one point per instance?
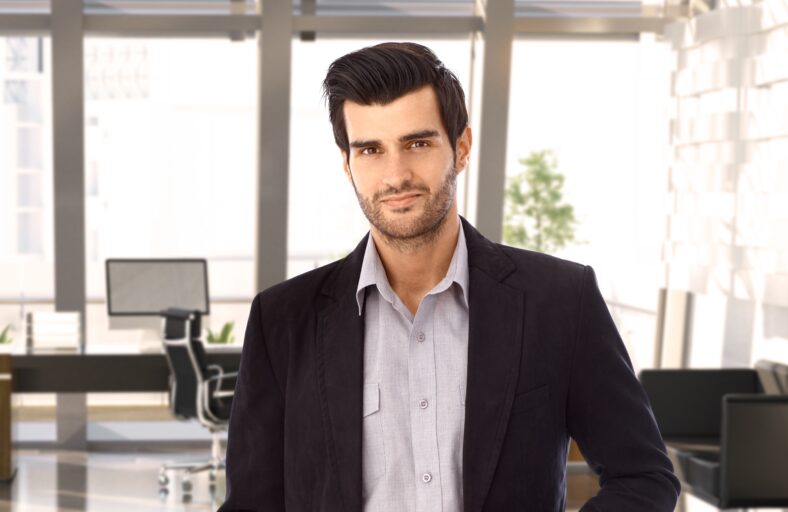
(423, 403)
(421, 337)
(426, 478)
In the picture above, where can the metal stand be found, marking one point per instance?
(213, 465)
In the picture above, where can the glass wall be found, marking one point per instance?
(600, 108)
(26, 215)
(324, 220)
(170, 166)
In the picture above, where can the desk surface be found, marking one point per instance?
(90, 373)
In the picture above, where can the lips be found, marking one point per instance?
(400, 200)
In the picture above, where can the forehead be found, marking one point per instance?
(414, 111)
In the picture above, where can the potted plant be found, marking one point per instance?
(224, 336)
(535, 215)
(5, 339)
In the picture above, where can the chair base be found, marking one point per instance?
(212, 465)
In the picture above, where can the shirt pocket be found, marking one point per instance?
(373, 456)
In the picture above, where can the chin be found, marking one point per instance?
(404, 209)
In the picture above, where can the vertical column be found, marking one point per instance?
(69, 190)
(273, 141)
(676, 330)
(493, 108)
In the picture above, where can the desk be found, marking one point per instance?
(101, 373)
(73, 375)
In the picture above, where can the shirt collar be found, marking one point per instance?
(373, 273)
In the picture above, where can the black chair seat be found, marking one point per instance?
(697, 465)
(220, 407)
(222, 410)
(725, 431)
(703, 473)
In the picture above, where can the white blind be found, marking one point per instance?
(578, 8)
(24, 6)
(190, 7)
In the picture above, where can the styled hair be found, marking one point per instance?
(378, 75)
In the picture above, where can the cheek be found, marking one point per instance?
(363, 185)
(432, 167)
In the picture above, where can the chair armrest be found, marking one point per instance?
(688, 403)
(212, 391)
(754, 445)
(218, 370)
(219, 378)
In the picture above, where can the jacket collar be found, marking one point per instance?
(483, 255)
(373, 274)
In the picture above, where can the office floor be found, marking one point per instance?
(49, 480)
(118, 482)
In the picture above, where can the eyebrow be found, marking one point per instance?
(421, 134)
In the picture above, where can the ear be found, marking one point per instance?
(462, 150)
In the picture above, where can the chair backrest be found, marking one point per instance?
(754, 451)
(187, 369)
(183, 381)
(688, 403)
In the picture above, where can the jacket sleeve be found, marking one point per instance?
(610, 417)
(255, 441)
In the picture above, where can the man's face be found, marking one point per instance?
(401, 164)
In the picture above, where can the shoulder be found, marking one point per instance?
(543, 273)
(522, 269)
(298, 293)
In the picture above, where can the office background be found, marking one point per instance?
(156, 129)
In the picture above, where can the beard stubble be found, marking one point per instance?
(408, 234)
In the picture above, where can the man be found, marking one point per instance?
(431, 369)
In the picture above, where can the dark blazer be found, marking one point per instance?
(545, 362)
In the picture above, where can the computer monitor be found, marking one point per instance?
(139, 289)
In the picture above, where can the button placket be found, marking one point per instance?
(422, 385)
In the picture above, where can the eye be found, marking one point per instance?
(420, 144)
(369, 150)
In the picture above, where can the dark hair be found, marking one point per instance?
(380, 74)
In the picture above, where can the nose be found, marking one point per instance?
(397, 170)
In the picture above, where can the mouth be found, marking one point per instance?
(400, 200)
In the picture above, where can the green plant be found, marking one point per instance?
(224, 336)
(535, 215)
(5, 337)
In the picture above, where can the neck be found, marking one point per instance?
(415, 267)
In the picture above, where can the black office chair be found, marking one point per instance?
(726, 432)
(197, 391)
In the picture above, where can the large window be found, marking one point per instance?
(26, 217)
(170, 165)
(324, 220)
(601, 108)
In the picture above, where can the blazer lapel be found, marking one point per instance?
(494, 350)
(340, 346)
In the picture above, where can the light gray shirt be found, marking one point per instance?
(415, 370)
